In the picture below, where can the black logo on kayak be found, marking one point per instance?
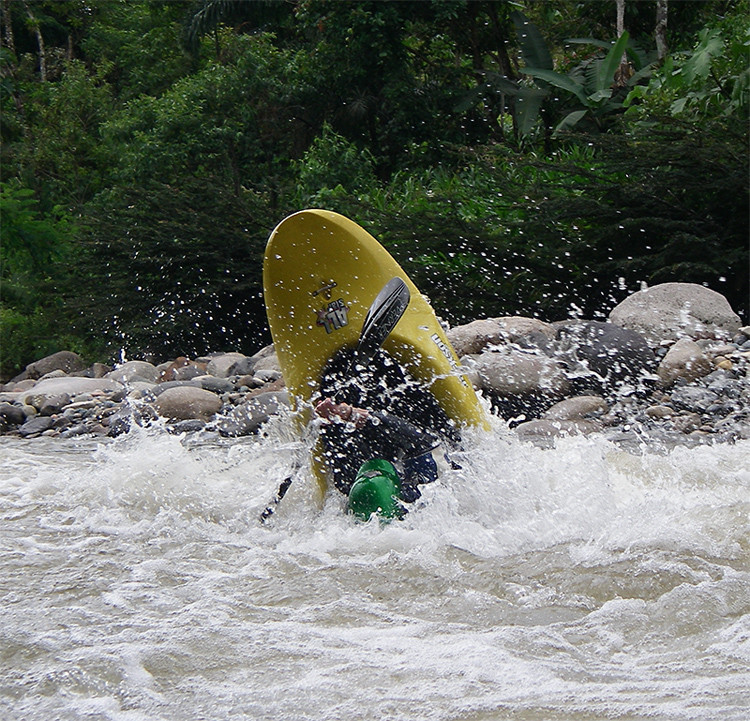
(334, 316)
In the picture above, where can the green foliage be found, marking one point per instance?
(333, 163)
(712, 80)
(63, 150)
(523, 102)
(591, 84)
(34, 248)
(137, 43)
(32, 243)
(180, 269)
(225, 121)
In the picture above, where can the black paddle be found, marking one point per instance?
(386, 310)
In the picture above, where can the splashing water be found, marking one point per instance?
(576, 582)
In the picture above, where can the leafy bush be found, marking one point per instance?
(333, 163)
(35, 246)
(710, 81)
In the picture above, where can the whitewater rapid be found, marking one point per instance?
(583, 581)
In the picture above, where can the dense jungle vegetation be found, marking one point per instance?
(537, 158)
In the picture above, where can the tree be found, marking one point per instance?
(173, 270)
(31, 270)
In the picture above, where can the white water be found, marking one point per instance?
(578, 582)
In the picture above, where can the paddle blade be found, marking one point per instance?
(386, 310)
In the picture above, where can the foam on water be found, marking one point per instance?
(577, 582)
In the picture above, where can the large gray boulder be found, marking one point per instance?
(71, 386)
(515, 328)
(520, 382)
(134, 371)
(35, 426)
(266, 360)
(577, 408)
(478, 335)
(13, 415)
(604, 357)
(474, 337)
(65, 360)
(221, 365)
(184, 401)
(677, 310)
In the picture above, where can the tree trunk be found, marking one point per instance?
(660, 30)
(625, 71)
(620, 17)
(34, 23)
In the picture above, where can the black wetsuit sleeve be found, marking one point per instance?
(409, 439)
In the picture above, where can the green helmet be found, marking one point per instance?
(376, 489)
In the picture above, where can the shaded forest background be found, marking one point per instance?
(536, 158)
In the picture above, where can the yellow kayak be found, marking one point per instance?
(321, 272)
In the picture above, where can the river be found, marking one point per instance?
(582, 581)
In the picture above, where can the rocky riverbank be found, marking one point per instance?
(671, 365)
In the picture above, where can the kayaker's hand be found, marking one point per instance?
(330, 410)
(327, 409)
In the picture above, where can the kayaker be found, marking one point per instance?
(356, 435)
(377, 411)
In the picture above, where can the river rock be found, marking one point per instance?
(660, 412)
(687, 422)
(693, 398)
(158, 389)
(184, 402)
(249, 381)
(140, 389)
(129, 414)
(243, 367)
(250, 416)
(520, 382)
(65, 360)
(179, 369)
(268, 375)
(515, 327)
(604, 357)
(215, 384)
(675, 310)
(266, 360)
(191, 425)
(53, 374)
(96, 370)
(53, 404)
(221, 364)
(13, 415)
(685, 360)
(474, 337)
(23, 385)
(190, 370)
(35, 426)
(511, 372)
(723, 383)
(134, 371)
(72, 386)
(577, 408)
